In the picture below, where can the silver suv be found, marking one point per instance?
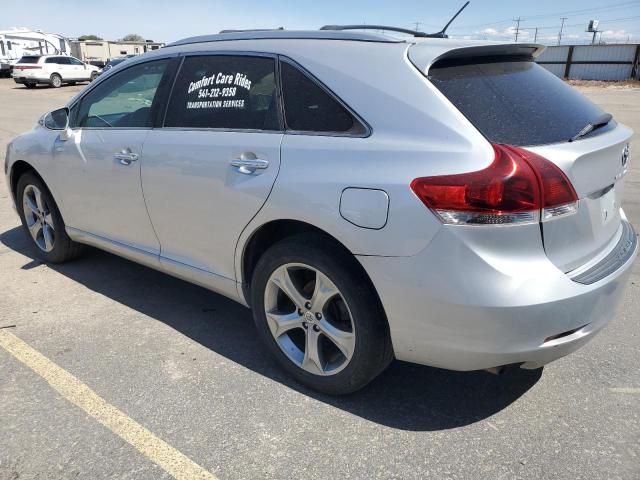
(444, 202)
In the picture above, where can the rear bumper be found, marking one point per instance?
(468, 303)
(34, 80)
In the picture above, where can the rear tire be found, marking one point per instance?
(42, 221)
(94, 75)
(358, 352)
(55, 80)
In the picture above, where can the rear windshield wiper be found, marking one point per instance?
(599, 122)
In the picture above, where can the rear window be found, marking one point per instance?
(29, 59)
(517, 102)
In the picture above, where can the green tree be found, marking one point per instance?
(133, 37)
(89, 37)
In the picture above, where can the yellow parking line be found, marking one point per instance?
(625, 390)
(158, 451)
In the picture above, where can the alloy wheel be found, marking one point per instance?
(309, 319)
(38, 218)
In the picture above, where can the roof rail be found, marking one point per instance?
(415, 33)
(252, 30)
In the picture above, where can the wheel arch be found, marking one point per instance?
(268, 234)
(19, 168)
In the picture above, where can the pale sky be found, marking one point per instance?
(163, 20)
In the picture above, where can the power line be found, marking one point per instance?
(570, 12)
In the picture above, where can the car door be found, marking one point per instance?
(63, 68)
(210, 169)
(99, 166)
(80, 70)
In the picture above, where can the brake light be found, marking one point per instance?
(518, 187)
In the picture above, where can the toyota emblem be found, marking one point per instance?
(625, 155)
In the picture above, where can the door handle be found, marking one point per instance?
(126, 157)
(248, 163)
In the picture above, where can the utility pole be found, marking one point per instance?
(517, 20)
(535, 36)
(561, 28)
(417, 24)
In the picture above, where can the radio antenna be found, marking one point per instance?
(441, 33)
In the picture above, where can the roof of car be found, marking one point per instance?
(288, 34)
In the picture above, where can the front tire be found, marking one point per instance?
(55, 80)
(42, 221)
(319, 315)
(93, 76)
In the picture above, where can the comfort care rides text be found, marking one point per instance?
(240, 79)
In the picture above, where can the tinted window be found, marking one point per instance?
(75, 61)
(519, 103)
(225, 92)
(308, 107)
(123, 100)
(29, 59)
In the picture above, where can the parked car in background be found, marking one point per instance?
(53, 70)
(113, 62)
(444, 202)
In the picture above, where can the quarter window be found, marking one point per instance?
(225, 91)
(75, 61)
(309, 108)
(125, 100)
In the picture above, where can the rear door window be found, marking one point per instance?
(515, 102)
(226, 92)
(310, 108)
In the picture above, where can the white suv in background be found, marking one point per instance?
(52, 70)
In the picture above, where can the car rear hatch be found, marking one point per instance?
(27, 62)
(513, 101)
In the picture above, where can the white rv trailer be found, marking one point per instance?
(16, 42)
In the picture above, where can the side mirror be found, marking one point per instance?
(58, 120)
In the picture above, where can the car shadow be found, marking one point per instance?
(405, 396)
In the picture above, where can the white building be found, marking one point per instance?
(98, 52)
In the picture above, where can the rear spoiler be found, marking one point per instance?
(425, 56)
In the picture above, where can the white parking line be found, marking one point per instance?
(158, 451)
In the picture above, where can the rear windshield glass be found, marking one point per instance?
(29, 60)
(518, 103)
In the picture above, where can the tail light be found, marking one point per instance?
(518, 187)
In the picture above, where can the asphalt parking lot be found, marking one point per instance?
(190, 381)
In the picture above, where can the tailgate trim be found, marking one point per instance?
(623, 251)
